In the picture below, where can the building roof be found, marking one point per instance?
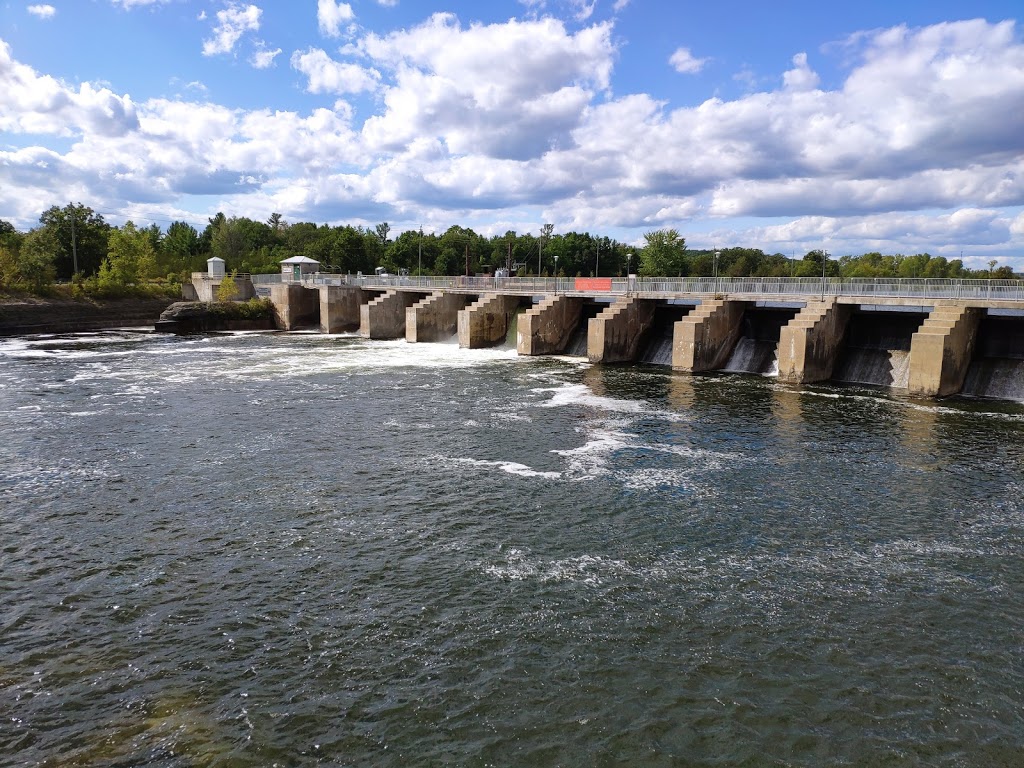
(300, 260)
(215, 258)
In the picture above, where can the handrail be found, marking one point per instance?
(889, 288)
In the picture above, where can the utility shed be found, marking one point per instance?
(294, 268)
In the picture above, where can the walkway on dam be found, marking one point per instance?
(666, 287)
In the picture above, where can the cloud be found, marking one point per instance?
(685, 63)
(325, 75)
(40, 104)
(263, 58)
(232, 22)
(129, 4)
(511, 90)
(42, 11)
(387, 3)
(330, 15)
(801, 77)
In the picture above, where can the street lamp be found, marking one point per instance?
(419, 269)
(717, 254)
(824, 262)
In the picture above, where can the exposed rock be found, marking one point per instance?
(27, 315)
(184, 317)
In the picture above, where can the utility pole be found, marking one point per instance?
(597, 264)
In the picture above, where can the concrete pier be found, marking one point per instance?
(340, 307)
(810, 343)
(485, 322)
(548, 327)
(614, 335)
(295, 306)
(941, 350)
(435, 318)
(384, 316)
(704, 339)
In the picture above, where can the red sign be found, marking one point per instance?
(593, 283)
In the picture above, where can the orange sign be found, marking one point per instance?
(593, 283)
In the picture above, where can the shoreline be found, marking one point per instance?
(22, 316)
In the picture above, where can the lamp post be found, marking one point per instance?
(597, 262)
(717, 254)
(419, 268)
(824, 263)
(556, 272)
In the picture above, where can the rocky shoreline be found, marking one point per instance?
(24, 316)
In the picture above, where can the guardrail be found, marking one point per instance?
(803, 287)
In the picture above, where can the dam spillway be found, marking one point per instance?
(922, 339)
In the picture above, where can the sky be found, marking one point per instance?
(880, 125)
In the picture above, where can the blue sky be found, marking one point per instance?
(891, 126)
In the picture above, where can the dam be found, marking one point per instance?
(927, 338)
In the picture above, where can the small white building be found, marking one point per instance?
(294, 268)
(215, 268)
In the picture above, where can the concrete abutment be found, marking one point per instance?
(340, 307)
(435, 318)
(809, 345)
(547, 328)
(704, 339)
(384, 317)
(485, 322)
(614, 335)
(941, 350)
(295, 306)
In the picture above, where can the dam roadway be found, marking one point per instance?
(930, 338)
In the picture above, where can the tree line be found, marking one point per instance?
(75, 244)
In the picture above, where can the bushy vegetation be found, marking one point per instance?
(253, 309)
(74, 251)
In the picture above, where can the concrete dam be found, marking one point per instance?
(925, 338)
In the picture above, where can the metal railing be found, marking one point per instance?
(801, 287)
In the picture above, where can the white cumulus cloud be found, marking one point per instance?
(232, 22)
(325, 75)
(330, 15)
(42, 11)
(685, 62)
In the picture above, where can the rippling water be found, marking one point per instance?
(310, 550)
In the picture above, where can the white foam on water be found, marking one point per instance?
(592, 459)
(581, 394)
(511, 467)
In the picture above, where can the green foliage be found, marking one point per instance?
(254, 309)
(80, 231)
(10, 275)
(130, 259)
(228, 288)
(36, 259)
(664, 254)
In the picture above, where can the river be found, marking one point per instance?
(296, 549)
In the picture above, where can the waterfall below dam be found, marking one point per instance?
(997, 370)
(758, 356)
(877, 350)
(577, 346)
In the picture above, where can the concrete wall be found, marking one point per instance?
(295, 306)
(809, 345)
(614, 335)
(941, 350)
(340, 307)
(435, 318)
(704, 339)
(485, 322)
(547, 328)
(384, 317)
(205, 289)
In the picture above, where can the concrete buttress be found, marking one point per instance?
(941, 350)
(384, 317)
(809, 344)
(435, 317)
(485, 322)
(704, 339)
(339, 307)
(547, 328)
(614, 335)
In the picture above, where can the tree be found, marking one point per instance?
(36, 258)
(81, 235)
(228, 288)
(129, 260)
(664, 254)
(276, 222)
(9, 272)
